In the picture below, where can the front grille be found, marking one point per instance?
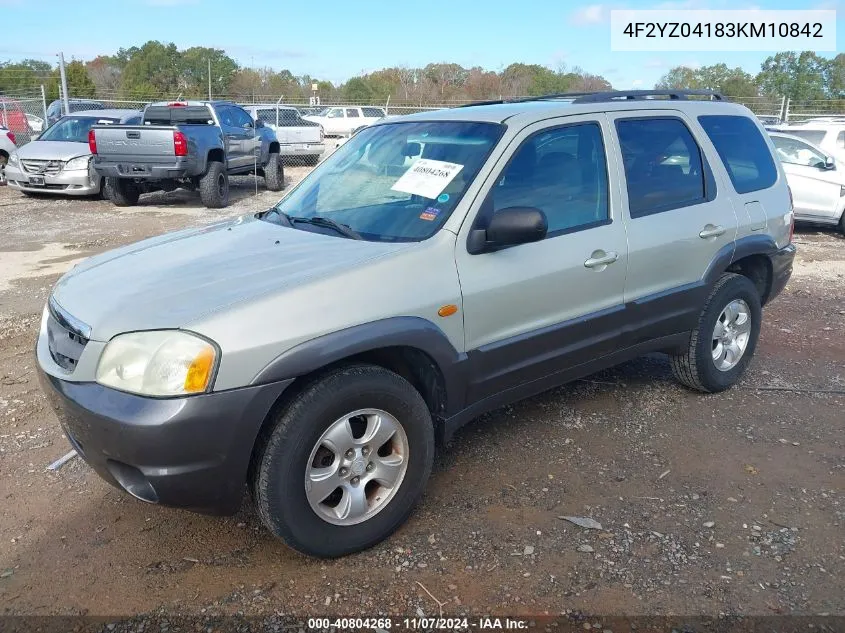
(46, 167)
(66, 337)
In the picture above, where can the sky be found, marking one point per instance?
(336, 39)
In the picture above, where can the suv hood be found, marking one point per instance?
(53, 150)
(174, 279)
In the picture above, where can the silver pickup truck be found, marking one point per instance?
(300, 141)
(192, 145)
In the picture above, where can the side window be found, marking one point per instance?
(663, 165)
(743, 151)
(289, 118)
(267, 115)
(352, 113)
(840, 140)
(335, 113)
(562, 172)
(372, 112)
(240, 118)
(224, 113)
(797, 152)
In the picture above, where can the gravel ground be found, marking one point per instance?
(732, 504)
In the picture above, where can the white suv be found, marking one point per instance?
(827, 134)
(344, 120)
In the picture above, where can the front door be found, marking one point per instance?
(234, 137)
(535, 309)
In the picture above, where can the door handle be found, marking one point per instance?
(600, 259)
(711, 231)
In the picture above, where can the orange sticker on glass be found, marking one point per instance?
(430, 214)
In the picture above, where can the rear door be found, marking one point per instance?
(676, 223)
(815, 189)
(539, 308)
(235, 138)
(354, 120)
(249, 137)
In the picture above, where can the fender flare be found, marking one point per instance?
(404, 331)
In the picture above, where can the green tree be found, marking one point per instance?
(79, 84)
(152, 71)
(24, 77)
(733, 82)
(835, 77)
(193, 64)
(357, 89)
(799, 76)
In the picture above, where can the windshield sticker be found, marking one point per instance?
(430, 214)
(442, 198)
(427, 178)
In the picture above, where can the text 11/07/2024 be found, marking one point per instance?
(420, 624)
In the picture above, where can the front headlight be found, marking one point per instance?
(80, 162)
(14, 159)
(158, 363)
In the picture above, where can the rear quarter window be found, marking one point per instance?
(743, 151)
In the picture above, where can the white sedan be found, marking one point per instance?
(816, 179)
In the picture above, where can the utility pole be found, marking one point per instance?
(64, 82)
(209, 79)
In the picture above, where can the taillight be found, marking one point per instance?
(791, 214)
(92, 141)
(11, 138)
(180, 144)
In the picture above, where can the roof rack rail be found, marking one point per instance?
(610, 95)
(556, 95)
(632, 95)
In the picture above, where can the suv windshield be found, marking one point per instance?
(397, 182)
(74, 128)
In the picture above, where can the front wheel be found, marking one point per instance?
(723, 343)
(342, 466)
(274, 173)
(214, 186)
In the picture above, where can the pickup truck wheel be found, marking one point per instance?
(122, 193)
(722, 345)
(842, 223)
(214, 186)
(274, 173)
(342, 466)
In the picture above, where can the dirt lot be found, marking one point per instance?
(731, 504)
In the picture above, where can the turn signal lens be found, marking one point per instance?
(448, 310)
(199, 372)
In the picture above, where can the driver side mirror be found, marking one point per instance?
(829, 163)
(259, 123)
(509, 227)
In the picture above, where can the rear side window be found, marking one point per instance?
(743, 151)
(663, 165)
(372, 112)
(813, 136)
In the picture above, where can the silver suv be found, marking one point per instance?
(435, 267)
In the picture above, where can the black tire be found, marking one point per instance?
(4, 160)
(277, 477)
(122, 192)
(274, 173)
(695, 367)
(214, 186)
(842, 223)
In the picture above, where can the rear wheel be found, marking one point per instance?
(722, 345)
(342, 466)
(214, 186)
(122, 192)
(274, 173)
(842, 223)
(4, 160)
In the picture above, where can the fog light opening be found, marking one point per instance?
(133, 481)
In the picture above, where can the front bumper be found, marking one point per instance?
(76, 182)
(781, 269)
(190, 452)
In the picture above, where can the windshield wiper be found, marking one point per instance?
(284, 217)
(318, 220)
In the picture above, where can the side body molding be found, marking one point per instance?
(404, 331)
